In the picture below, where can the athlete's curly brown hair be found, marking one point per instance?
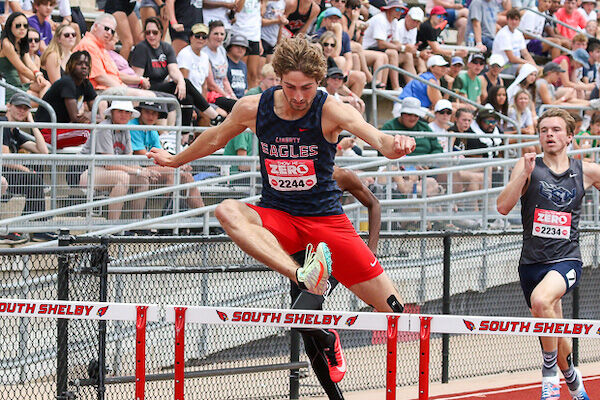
(559, 112)
(299, 54)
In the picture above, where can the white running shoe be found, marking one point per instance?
(579, 393)
(551, 388)
(316, 269)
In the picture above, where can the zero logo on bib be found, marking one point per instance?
(291, 175)
(551, 224)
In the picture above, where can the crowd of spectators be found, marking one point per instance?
(507, 59)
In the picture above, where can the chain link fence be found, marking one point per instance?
(469, 274)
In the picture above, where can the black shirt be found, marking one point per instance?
(65, 88)
(12, 138)
(426, 33)
(153, 61)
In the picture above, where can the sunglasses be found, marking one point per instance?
(33, 40)
(328, 44)
(490, 121)
(355, 8)
(69, 34)
(109, 29)
(445, 112)
(153, 32)
(478, 62)
(203, 36)
(24, 26)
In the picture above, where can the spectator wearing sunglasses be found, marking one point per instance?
(382, 35)
(441, 122)
(342, 52)
(14, 58)
(467, 82)
(456, 13)
(154, 59)
(485, 123)
(40, 20)
(430, 30)
(33, 38)
(193, 63)
(54, 58)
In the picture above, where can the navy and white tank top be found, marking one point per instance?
(550, 209)
(296, 161)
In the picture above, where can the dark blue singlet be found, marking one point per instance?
(296, 161)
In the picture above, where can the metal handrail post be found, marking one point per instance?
(374, 92)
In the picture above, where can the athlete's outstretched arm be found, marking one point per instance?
(242, 116)
(591, 175)
(341, 116)
(516, 186)
(348, 180)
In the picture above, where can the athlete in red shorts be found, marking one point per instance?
(298, 127)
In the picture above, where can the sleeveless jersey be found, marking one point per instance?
(550, 210)
(296, 161)
(297, 20)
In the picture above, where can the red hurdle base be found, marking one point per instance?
(179, 351)
(392, 355)
(140, 353)
(424, 358)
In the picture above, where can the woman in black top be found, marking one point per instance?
(156, 60)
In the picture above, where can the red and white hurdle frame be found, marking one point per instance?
(390, 323)
(138, 313)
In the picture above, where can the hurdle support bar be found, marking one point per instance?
(424, 358)
(392, 357)
(140, 353)
(179, 352)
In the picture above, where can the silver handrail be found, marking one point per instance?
(548, 42)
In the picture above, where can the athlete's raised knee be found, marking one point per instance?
(228, 212)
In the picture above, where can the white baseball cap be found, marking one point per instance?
(437, 61)
(417, 14)
(442, 104)
(496, 59)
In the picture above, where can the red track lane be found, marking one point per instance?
(523, 392)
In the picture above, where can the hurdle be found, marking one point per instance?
(423, 324)
(180, 315)
(60, 309)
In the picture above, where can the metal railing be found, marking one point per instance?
(548, 42)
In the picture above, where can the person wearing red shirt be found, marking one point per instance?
(570, 16)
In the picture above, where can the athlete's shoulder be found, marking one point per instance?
(247, 104)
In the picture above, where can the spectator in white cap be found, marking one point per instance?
(427, 95)
(382, 35)
(510, 43)
(588, 10)
(118, 179)
(467, 82)
(491, 77)
(441, 122)
(407, 36)
(430, 30)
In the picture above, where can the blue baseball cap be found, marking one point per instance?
(457, 60)
(332, 11)
(582, 57)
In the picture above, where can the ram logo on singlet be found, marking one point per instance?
(557, 194)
